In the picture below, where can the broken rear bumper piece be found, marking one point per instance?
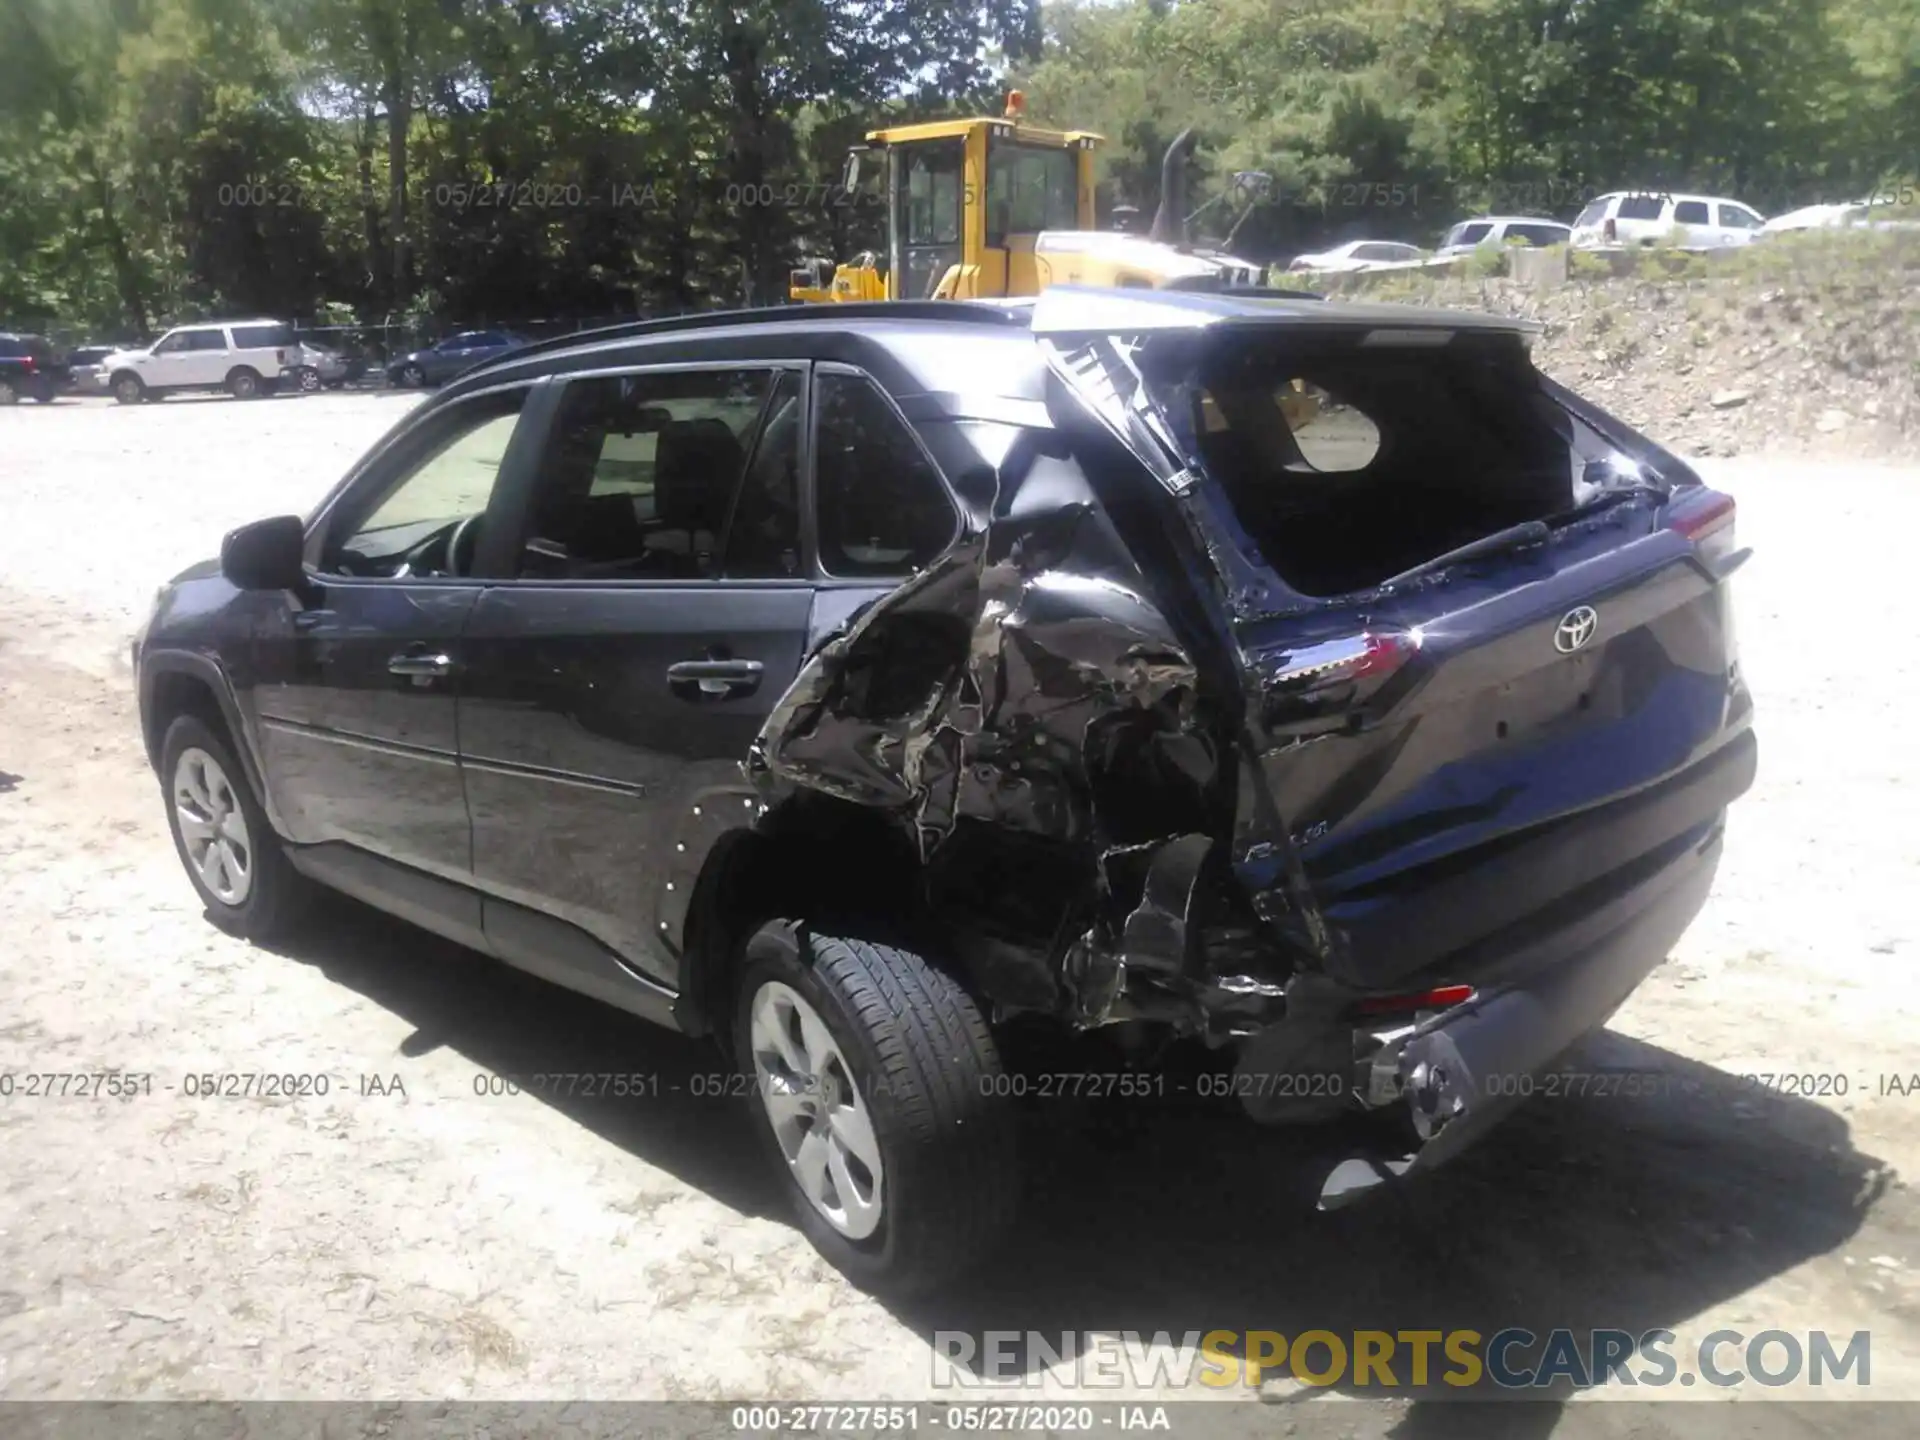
(1456, 1072)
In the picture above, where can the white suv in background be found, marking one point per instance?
(1647, 217)
(245, 358)
(1470, 235)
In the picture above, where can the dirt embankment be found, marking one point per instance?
(1800, 344)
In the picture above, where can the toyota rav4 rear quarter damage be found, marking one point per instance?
(1316, 680)
(1044, 716)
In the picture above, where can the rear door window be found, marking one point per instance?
(642, 474)
(882, 506)
(1690, 212)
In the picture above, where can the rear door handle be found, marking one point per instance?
(418, 664)
(714, 679)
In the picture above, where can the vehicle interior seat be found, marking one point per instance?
(696, 464)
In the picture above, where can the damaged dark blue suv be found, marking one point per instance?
(1314, 683)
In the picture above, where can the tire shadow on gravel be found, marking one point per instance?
(1632, 1213)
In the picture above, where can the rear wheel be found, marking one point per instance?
(306, 379)
(129, 389)
(243, 383)
(873, 1078)
(222, 836)
(9, 392)
(412, 376)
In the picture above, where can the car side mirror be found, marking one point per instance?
(850, 177)
(266, 555)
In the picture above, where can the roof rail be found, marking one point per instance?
(961, 311)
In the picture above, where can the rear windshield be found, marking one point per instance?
(262, 337)
(1348, 466)
(1593, 214)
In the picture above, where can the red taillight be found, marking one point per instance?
(281, 356)
(1611, 231)
(1442, 997)
(1705, 517)
(1701, 512)
(29, 364)
(1348, 658)
(1333, 676)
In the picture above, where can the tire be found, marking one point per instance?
(306, 379)
(243, 382)
(412, 377)
(129, 389)
(9, 393)
(925, 1068)
(270, 902)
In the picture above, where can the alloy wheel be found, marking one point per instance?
(818, 1114)
(213, 827)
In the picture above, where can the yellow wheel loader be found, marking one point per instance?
(997, 207)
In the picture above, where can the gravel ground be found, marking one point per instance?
(405, 1237)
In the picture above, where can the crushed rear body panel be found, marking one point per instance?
(1163, 750)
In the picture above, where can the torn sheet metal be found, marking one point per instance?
(1029, 688)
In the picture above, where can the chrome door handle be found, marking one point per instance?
(714, 679)
(407, 663)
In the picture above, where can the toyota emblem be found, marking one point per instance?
(1575, 629)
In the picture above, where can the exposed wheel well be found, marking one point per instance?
(834, 864)
(176, 693)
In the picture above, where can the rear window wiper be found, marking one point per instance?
(1523, 536)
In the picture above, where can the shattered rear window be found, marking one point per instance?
(1349, 465)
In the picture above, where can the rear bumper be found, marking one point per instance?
(1457, 1070)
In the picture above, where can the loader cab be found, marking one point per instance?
(966, 199)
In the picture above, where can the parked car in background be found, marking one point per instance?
(1357, 255)
(83, 365)
(1889, 214)
(30, 369)
(245, 358)
(1646, 217)
(1470, 235)
(439, 363)
(318, 366)
(1377, 749)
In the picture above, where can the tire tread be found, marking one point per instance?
(958, 1163)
